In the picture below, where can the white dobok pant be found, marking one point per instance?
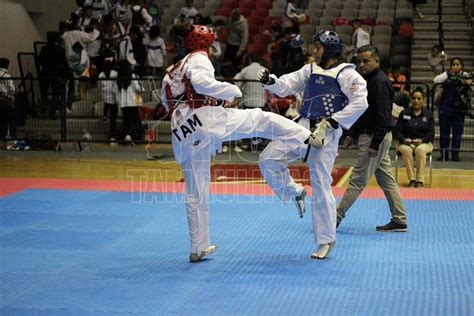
(219, 125)
(274, 166)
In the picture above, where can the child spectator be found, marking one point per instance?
(128, 96)
(156, 51)
(437, 59)
(108, 87)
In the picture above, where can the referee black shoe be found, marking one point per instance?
(392, 227)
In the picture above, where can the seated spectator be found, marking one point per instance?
(437, 59)
(397, 78)
(253, 95)
(415, 134)
(186, 14)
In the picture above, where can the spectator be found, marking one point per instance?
(53, 67)
(141, 19)
(237, 39)
(253, 94)
(128, 96)
(139, 50)
(373, 130)
(216, 48)
(155, 12)
(7, 101)
(101, 8)
(398, 79)
(156, 51)
(74, 35)
(415, 134)
(437, 59)
(94, 50)
(453, 105)
(125, 50)
(186, 14)
(108, 87)
(87, 15)
(79, 64)
(291, 15)
(359, 38)
(296, 58)
(278, 49)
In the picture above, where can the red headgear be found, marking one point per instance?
(200, 37)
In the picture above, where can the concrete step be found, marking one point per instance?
(433, 10)
(447, 37)
(422, 46)
(452, 27)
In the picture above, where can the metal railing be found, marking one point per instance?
(53, 109)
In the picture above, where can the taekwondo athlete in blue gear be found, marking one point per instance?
(335, 96)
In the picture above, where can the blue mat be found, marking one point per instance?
(67, 252)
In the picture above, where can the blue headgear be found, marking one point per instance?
(331, 41)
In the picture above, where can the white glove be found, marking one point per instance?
(264, 77)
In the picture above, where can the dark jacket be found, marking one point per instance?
(376, 121)
(412, 126)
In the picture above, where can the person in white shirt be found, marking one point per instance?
(291, 15)
(253, 92)
(335, 96)
(101, 8)
(7, 101)
(360, 37)
(129, 98)
(108, 89)
(186, 14)
(437, 59)
(199, 127)
(72, 36)
(156, 51)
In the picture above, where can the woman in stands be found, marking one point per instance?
(453, 106)
(415, 134)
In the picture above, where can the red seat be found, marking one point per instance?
(256, 48)
(263, 12)
(253, 29)
(229, 4)
(246, 12)
(249, 4)
(257, 20)
(224, 11)
(262, 38)
(264, 4)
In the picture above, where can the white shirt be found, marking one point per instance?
(108, 88)
(253, 92)
(7, 87)
(156, 51)
(71, 37)
(126, 50)
(360, 38)
(199, 70)
(132, 95)
(186, 14)
(351, 82)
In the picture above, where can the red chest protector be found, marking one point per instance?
(190, 96)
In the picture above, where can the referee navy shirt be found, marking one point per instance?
(414, 126)
(376, 121)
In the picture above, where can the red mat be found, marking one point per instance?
(12, 185)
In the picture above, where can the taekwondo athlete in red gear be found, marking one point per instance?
(199, 127)
(335, 96)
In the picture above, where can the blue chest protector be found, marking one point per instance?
(323, 96)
